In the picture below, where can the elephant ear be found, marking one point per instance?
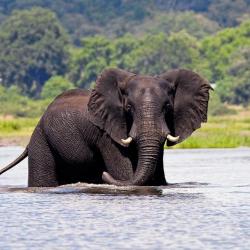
(105, 106)
(190, 102)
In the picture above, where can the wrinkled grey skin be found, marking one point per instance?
(79, 136)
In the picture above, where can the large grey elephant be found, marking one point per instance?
(115, 133)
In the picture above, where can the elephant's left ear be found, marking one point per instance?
(190, 102)
(105, 106)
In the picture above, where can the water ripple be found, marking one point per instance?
(206, 206)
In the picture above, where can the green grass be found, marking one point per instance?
(17, 127)
(219, 132)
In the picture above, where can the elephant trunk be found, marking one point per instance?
(149, 147)
(149, 150)
(150, 139)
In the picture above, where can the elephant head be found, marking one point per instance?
(148, 111)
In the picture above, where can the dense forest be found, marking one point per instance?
(48, 46)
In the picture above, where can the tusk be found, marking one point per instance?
(173, 138)
(127, 141)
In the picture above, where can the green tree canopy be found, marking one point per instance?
(14, 103)
(218, 49)
(228, 12)
(89, 60)
(228, 56)
(242, 90)
(151, 54)
(55, 86)
(157, 53)
(196, 25)
(235, 87)
(33, 46)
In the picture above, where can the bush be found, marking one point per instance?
(55, 86)
(216, 107)
(33, 47)
(13, 103)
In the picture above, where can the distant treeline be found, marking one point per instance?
(41, 57)
(117, 17)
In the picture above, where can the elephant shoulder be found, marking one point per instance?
(65, 111)
(69, 101)
(73, 93)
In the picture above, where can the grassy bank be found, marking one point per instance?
(16, 131)
(220, 132)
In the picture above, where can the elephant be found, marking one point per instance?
(115, 133)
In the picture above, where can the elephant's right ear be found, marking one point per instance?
(105, 106)
(190, 102)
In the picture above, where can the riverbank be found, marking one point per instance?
(16, 131)
(227, 131)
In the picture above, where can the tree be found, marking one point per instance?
(97, 53)
(228, 12)
(228, 55)
(12, 102)
(242, 90)
(196, 25)
(220, 50)
(55, 86)
(157, 53)
(89, 60)
(151, 54)
(88, 17)
(235, 87)
(117, 17)
(33, 47)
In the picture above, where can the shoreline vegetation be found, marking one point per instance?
(227, 131)
(16, 131)
(46, 50)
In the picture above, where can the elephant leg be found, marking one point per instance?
(159, 176)
(160, 179)
(116, 159)
(42, 165)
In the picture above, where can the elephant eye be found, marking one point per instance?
(128, 107)
(167, 106)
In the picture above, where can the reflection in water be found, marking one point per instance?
(207, 206)
(88, 189)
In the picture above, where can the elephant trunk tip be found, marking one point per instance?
(107, 178)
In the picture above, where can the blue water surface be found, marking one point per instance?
(206, 207)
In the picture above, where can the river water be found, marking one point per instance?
(207, 206)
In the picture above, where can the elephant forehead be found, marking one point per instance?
(143, 81)
(145, 86)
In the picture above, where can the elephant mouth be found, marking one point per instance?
(147, 149)
(149, 146)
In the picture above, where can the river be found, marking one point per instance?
(207, 206)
